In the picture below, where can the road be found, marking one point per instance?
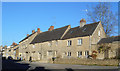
(9, 65)
(0, 62)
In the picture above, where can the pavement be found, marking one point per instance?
(12, 65)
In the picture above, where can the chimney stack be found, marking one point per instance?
(82, 22)
(27, 35)
(38, 30)
(14, 43)
(51, 28)
(33, 31)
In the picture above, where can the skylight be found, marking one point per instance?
(84, 29)
(71, 32)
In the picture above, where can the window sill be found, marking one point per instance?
(79, 45)
(69, 46)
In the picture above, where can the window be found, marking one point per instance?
(56, 43)
(79, 53)
(25, 45)
(99, 33)
(9, 50)
(33, 46)
(14, 52)
(6, 54)
(50, 53)
(79, 41)
(50, 44)
(69, 54)
(71, 32)
(69, 43)
(55, 52)
(86, 53)
(84, 29)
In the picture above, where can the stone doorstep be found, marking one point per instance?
(42, 61)
(23, 62)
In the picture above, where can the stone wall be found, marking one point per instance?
(113, 52)
(107, 62)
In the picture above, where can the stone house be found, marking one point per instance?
(9, 51)
(110, 47)
(24, 44)
(15, 52)
(1, 49)
(6, 52)
(64, 42)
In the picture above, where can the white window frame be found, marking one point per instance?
(68, 43)
(33, 46)
(99, 33)
(86, 53)
(79, 41)
(79, 54)
(50, 53)
(69, 54)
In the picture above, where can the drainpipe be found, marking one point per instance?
(90, 44)
(41, 53)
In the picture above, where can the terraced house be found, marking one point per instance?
(11, 51)
(64, 42)
(24, 44)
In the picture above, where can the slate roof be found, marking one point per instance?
(55, 34)
(109, 39)
(86, 30)
(27, 37)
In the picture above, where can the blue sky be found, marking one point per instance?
(20, 18)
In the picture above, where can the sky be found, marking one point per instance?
(20, 18)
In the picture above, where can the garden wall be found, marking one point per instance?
(105, 62)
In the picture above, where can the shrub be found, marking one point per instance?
(94, 54)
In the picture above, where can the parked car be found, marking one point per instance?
(10, 58)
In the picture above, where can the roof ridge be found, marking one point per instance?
(27, 37)
(93, 23)
(50, 35)
(54, 29)
(86, 25)
(61, 27)
(116, 36)
(113, 36)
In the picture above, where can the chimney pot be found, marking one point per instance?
(33, 31)
(82, 22)
(51, 28)
(14, 43)
(27, 35)
(38, 30)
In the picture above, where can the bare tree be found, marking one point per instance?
(102, 12)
